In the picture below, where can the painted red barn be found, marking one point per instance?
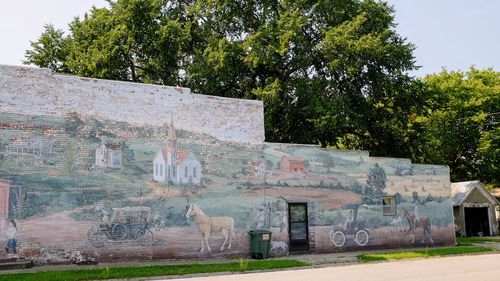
(291, 164)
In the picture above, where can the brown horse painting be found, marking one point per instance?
(207, 225)
(423, 222)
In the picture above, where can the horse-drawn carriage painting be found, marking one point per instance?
(126, 224)
(115, 186)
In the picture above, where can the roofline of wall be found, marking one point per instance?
(185, 90)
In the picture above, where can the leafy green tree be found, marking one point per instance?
(328, 71)
(49, 50)
(459, 127)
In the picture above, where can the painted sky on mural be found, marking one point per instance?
(447, 33)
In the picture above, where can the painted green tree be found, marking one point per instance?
(375, 185)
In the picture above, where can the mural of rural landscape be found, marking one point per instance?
(359, 201)
(106, 190)
(82, 188)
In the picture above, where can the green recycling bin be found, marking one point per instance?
(260, 243)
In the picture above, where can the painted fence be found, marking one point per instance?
(106, 170)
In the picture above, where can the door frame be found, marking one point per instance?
(306, 241)
(488, 212)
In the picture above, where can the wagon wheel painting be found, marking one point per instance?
(119, 231)
(145, 237)
(337, 238)
(361, 238)
(96, 237)
(352, 229)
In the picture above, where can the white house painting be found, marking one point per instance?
(108, 155)
(176, 166)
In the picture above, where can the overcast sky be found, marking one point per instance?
(454, 34)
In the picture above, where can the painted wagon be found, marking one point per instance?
(126, 224)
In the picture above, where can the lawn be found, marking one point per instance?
(433, 252)
(150, 271)
(468, 241)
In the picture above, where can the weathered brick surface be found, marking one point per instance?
(39, 92)
(81, 158)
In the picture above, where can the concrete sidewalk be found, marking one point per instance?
(456, 268)
(314, 260)
(340, 258)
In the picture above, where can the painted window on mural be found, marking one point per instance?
(185, 172)
(156, 169)
(161, 170)
(389, 205)
(194, 172)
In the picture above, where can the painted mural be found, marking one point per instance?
(354, 200)
(109, 190)
(125, 171)
(87, 189)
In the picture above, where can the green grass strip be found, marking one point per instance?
(150, 271)
(432, 252)
(468, 241)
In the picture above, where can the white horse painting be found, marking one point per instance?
(207, 225)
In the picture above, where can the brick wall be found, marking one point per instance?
(185, 157)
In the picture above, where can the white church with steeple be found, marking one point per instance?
(176, 166)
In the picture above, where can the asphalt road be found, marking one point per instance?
(470, 268)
